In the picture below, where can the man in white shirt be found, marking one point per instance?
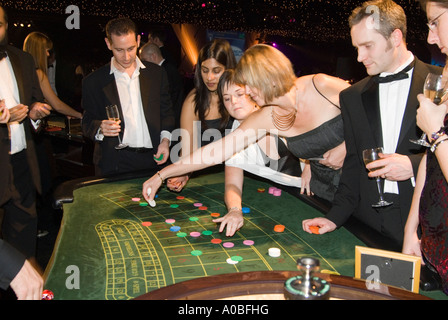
(379, 111)
(141, 92)
(20, 91)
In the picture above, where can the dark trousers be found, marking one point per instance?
(19, 227)
(393, 219)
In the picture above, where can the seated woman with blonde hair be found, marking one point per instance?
(39, 45)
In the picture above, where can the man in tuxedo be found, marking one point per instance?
(379, 111)
(141, 92)
(150, 52)
(20, 90)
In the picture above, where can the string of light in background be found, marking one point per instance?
(323, 20)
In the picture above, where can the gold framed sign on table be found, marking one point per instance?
(387, 267)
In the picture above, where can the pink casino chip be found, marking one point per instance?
(228, 244)
(248, 242)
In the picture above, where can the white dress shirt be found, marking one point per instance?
(393, 100)
(10, 93)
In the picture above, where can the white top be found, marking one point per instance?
(251, 160)
(10, 93)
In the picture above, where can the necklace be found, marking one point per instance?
(284, 123)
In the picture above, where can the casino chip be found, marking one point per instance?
(315, 229)
(146, 223)
(230, 261)
(175, 228)
(152, 203)
(279, 228)
(245, 210)
(47, 295)
(196, 253)
(274, 252)
(228, 244)
(195, 234)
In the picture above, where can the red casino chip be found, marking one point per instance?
(47, 295)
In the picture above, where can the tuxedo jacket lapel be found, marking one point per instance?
(145, 83)
(418, 78)
(370, 101)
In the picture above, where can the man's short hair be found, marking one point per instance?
(119, 27)
(391, 16)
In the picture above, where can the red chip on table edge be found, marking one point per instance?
(47, 295)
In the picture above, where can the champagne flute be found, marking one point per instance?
(370, 155)
(434, 89)
(114, 115)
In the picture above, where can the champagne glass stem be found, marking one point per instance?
(380, 189)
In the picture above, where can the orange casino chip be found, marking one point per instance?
(279, 228)
(315, 229)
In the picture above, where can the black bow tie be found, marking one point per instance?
(3, 55)
(50, 66)
(403, 74)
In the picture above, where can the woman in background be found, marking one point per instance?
(39, 45)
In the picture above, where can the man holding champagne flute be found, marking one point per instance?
(138, 138)
(379, 111)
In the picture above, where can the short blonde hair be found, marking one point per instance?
(37, 44)
(266, 69)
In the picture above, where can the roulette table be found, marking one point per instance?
(113, 246)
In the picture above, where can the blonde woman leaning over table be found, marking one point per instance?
(291, 107)
(268, 158)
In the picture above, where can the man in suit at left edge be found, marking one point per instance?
(20, 90)
(141, 92)
(15, 271)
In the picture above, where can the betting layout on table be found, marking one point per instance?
(144, 248)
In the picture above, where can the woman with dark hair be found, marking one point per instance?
(202, 110)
